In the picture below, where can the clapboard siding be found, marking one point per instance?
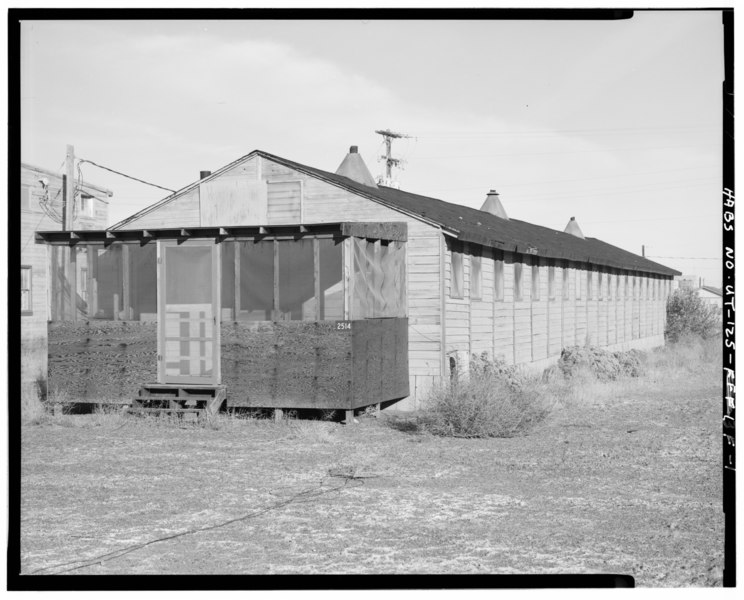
(34, 347)
(183, 211)
(516, 330)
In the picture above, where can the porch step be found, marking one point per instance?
(178, 398)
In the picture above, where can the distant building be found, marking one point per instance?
(711, 296)
(41, 210)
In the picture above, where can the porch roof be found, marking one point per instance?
(388, 231)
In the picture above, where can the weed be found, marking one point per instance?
(486, 405)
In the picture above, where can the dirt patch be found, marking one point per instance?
(623, 477)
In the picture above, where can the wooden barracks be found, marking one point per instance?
(273, 284)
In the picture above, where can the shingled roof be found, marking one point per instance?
(469, 224)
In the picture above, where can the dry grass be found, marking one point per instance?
(621, 477)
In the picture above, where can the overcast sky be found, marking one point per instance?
(616, 123)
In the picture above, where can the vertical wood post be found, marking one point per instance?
(73, 282)
(316, 277)
(276, 280)
(126, 300)
(91, 283)
(116, 307)
(238, 251)
(69, 182)
(278, 414)
(349, 417)
(348, 258)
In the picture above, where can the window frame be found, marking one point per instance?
(457, 268)
(535, 280)
(476, 282)
(498, 276)
(518, 280)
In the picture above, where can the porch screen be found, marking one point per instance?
(114, 282)
(331, 271)
(296, 287)
(256, 302)
(379, 288)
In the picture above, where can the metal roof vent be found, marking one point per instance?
(354, 168)
(573, 228)
(493, 205)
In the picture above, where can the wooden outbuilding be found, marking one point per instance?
(293, 287)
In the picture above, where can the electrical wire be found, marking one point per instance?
(127, 176)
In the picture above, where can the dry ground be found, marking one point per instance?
(622, 477)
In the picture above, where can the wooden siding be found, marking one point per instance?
(520, 330)
(34, 358)
(183, 211)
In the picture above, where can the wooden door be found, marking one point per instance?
(188, 312)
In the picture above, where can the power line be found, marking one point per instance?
(127, 176)
(688, 257)
(567, 151)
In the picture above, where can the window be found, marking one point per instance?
(517, 281)
(456, 283)
(87, 205)
(617, 286)
(551, 282)
(579, 283)
(26, 307)
(475, 277)
(589, 286)
(600, 291)
(635, 287)
(564, 283)
(498, 276)
(626, 286)
(535, 288)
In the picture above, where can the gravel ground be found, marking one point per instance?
(623, 477)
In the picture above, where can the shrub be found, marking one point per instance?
(492, 401)
(688, 315)
(604, 365)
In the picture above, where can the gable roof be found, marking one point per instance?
(464, 223)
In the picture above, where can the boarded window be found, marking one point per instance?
(296, 282)
(551, 282)
(475, 277)
(87, 207)
(517, 281)
(456, 283)
(331, 280)
(379, 279)
(284, 199)
(498, 276)
(564, 283)
(535, 288)
(26, 307)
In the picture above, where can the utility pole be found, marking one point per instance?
(69, 255)
(68, 206)
(390, 162)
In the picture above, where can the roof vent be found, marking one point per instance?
(203, 174)
(354, 168)
(573, 228)
(493, 205)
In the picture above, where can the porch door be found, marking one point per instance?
(188, 312)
